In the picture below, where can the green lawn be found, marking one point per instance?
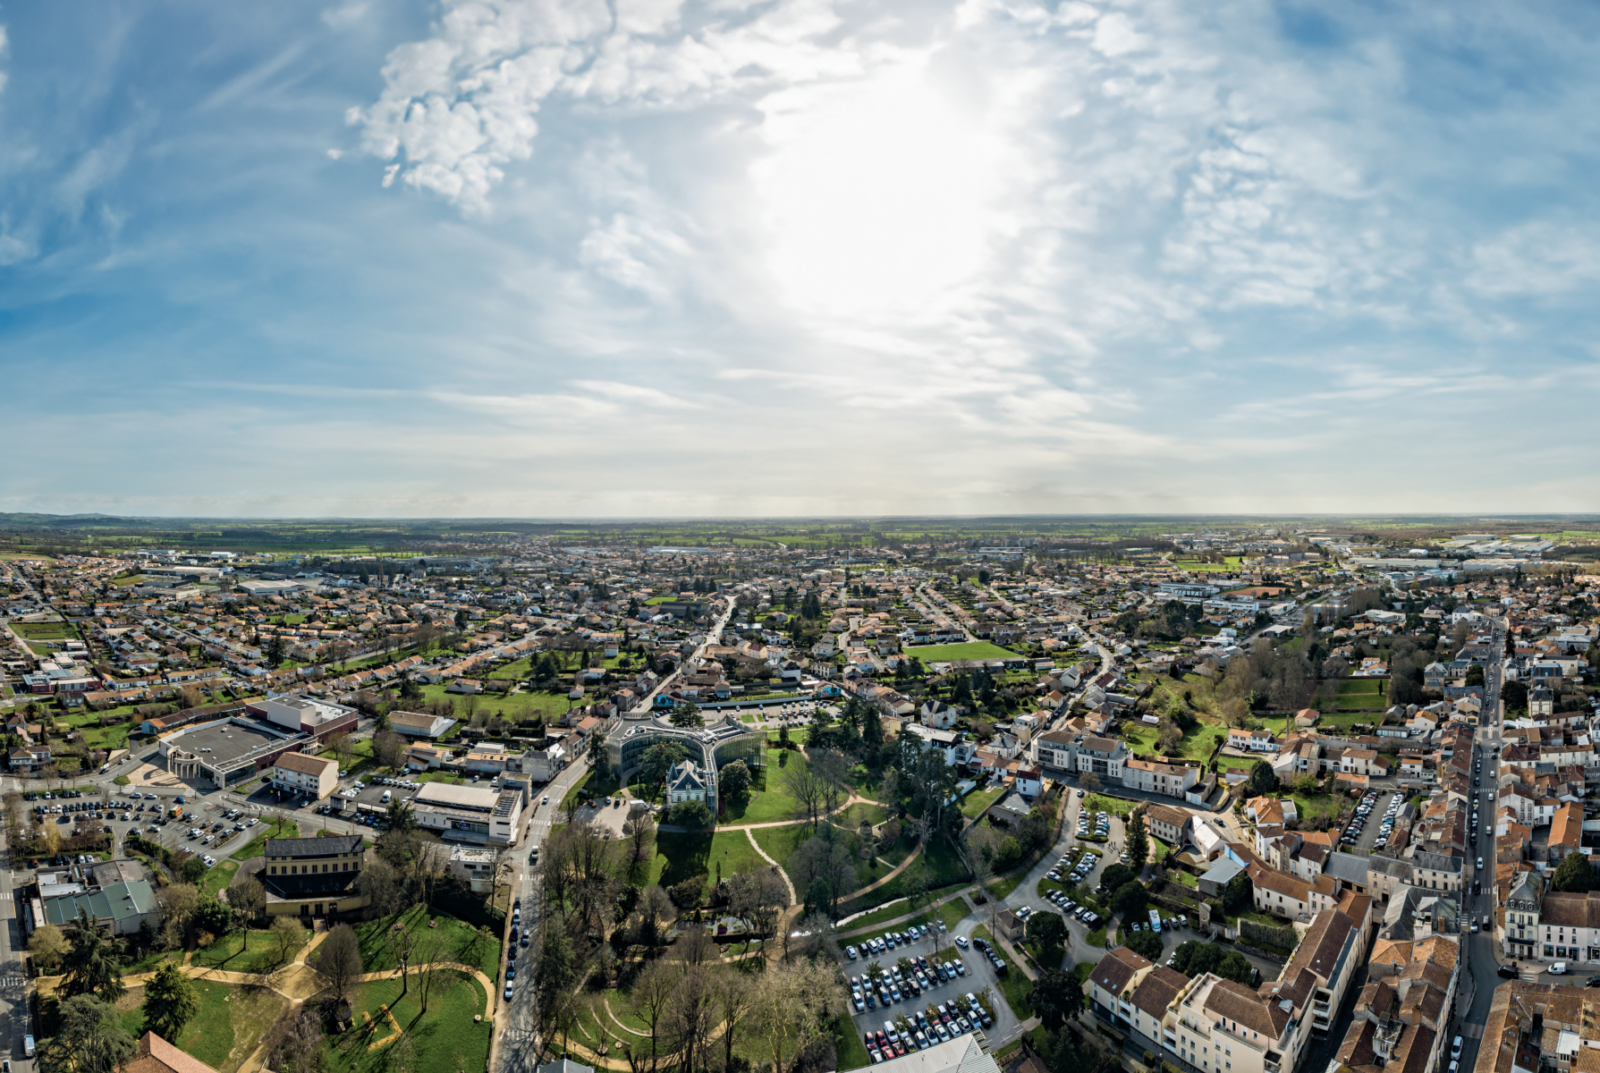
(512, 706)
(46, 631)
(460, 941)
(683, 856)
(220, 875)
(769, 801)
(227, 1028)
(851, 818)
(964, 650)
(950, 912)
(973, 805)
(246, 951)
(889, 912)
(445, 1038)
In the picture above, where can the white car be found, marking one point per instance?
(545, 800)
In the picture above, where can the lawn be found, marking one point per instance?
(445, 1038)
(1116, 806)
(1310, 808)
(45, 631)
(227, 1028)
(460, 941)
(246, 951)
(512, 706)
(257, 846)
(852, 817)
(900, 908)
(681, 856)
(964, 650)
(769, 800)
(1014, 985)
(951, 912)
(219, 876)
(973, 805)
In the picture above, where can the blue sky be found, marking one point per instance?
(713, 257)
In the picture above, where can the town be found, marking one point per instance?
(1249, 797)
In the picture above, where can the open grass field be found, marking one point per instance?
(46, 631)
(458, 941)
(218, 877)
(683, 856)
(247, 951)
(964, 650)
(974, 803)
(228, 1027)
(951, 913)
(443, 1040)
(513, 706)
(769, 801)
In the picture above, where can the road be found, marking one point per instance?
(713, 636)
(515, 1048)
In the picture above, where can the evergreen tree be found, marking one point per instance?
(1138, 840)
(92, 967)
(1573, 875)
(170, 1001)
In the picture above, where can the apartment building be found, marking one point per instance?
(1171, 780)
(311, 777)
(1569, 928)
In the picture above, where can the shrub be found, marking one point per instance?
(687, 894)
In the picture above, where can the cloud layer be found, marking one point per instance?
(807, 256)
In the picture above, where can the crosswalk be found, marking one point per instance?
(13, 983)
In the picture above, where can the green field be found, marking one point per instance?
(769, 801)
(45, 631)
(444, 1039)
(258, 845)
(683, 856)
(246, 951)
(227, 1028)
(964, 650)
(459, 941)
(975, 802)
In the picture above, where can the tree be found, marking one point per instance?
(806, 787)
(48, 946)
(652, 998)
(339, 959)
(1263, 780)
(642, 836)
(1138, 840)
(249, 898)
(1129, 900)
(600, 764)
(294, 1044)
(1049, 930)
(1115, 875)
(658, 760)
(388, 748)
(170, 1001)
(1057, 997)
(1573, 875)
(1238, 895)
(825, 865)
(193, 870)
(734, 780)
(686, 715)
(1090, 782)
(554, 970)
(91, 1039)
(1147, 944)
(693, 814)
(796, 1004)
(289, 935)
(92, 968)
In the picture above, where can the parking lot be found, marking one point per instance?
(1374, 823)
(146, 813)
(968, 971)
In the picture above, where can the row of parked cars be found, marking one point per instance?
(1102, 825)
(924, 1028)
(893, 985)
(1079, 872)
(995, 960)
(1072, 909)
(1369, 801)
(50, 795)
(893, 939)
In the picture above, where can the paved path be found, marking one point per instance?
(748, 833)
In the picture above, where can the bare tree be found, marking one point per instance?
(795, 1004)
(833, 771)
(806, 787)
(642, 837)
(289, 935)
(732, 999)
(339, 959)
(652, 997)
(249, 897)
(388, 748)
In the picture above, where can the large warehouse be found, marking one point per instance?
(228, 751)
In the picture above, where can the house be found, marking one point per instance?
(425, 757)
(474, 866)
(1569, 928)
(153, 1054)
(1522, 905)
(314, 877)
(1166, 823)
(688, 782)
(948, 743)
(545, 759)
(1111, 985)
(1172, 780)
(1029, 782)
(418, 725)
(312, 777)
(120, 909)
(937, 714)
(30, 757)
(1009, 924)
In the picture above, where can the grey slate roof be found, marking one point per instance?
(116, 902)
(1348, 867)
(313, 847)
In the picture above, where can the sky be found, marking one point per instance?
(659, 258)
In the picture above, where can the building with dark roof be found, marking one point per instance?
(314, 877)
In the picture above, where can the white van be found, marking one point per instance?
(386, 795)
(1558, 969)
(1455, 1049)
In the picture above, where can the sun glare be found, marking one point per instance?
(879, 194)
